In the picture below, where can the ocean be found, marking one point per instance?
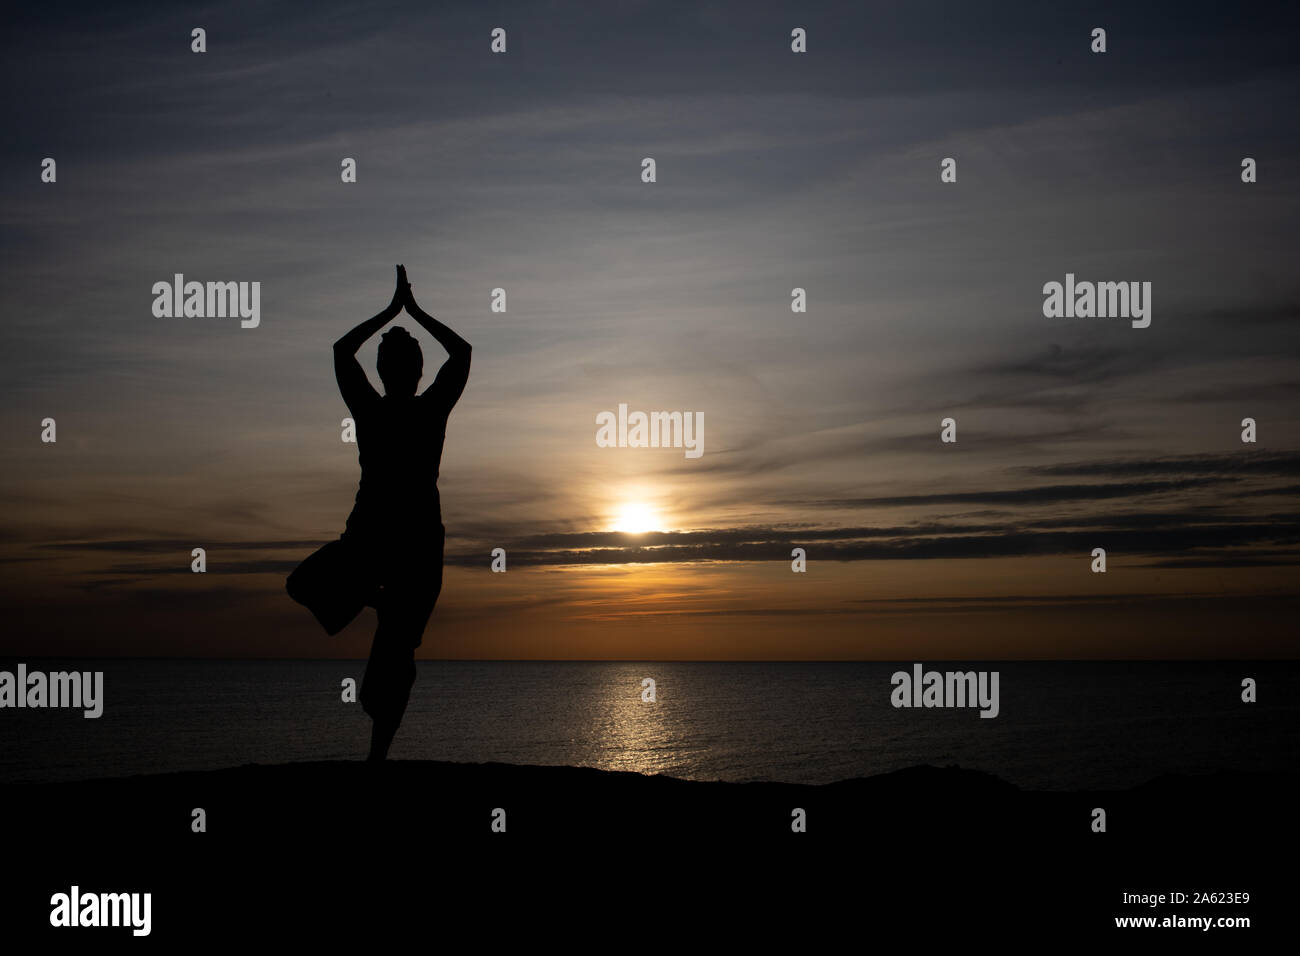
(1061, 725)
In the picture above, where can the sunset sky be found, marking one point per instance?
(775, 170)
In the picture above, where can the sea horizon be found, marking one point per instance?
(1086, 725)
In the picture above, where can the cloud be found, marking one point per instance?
(176, 545)
(1248, 462)
(1170, 534)
(1042, 495)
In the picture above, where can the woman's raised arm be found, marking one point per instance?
(451, 378)
(353, 384)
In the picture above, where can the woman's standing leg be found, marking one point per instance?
(404, 610)
(386, 686)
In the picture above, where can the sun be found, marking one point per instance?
(636, 518)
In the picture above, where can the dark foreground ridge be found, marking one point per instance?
(316, 836)
(573, 804)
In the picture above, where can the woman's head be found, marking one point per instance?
(400, 363)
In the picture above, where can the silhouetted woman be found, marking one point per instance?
(390, 556)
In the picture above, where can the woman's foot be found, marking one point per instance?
(381, 738)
